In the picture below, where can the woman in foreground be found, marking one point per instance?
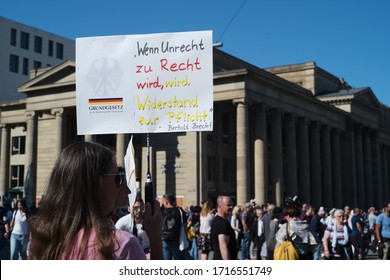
(74, 219)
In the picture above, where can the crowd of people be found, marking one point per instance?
(75, 220)
(254, 231)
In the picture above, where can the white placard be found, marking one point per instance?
(144, 83)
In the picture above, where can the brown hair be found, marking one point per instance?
(292, 211)
(71, 204)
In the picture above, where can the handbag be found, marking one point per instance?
(183, 240)
(286, 250)
(11, 226)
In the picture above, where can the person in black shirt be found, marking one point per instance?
(173, 217)
(222, 234)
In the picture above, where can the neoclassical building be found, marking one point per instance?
(289, 130)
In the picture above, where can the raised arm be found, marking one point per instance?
(153, 228)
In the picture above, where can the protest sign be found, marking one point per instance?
(144, 83)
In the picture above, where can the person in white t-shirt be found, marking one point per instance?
(206, 219)
(20, 232)
(133, 223)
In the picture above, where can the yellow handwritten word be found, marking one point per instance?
(185, 117)
(171, 103)
(149, 121)
(183, 66)
(178, 83)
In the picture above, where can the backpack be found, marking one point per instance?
(171, 224)
(286, 250)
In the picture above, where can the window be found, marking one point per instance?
(18, 145)
(17, 173)
(14, 63)
(24, 40)
(60, 51)
(50, 48)
(210, 169)
(37, 64)
(25, 66)
(38, 44)
(13, 37)
(227, 170)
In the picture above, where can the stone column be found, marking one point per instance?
(242, 152)
(30, 138)
(260, 155)
(376, 170)
(304, 160)
(315, 165)
(4, 185)
(386, 172)
(58, 113)
(336, 171)
(120, 149)
(348, 158)
(277, 156)
(291, 156)
(31, 150)
(359, 166)
(368, 186)
(327, 191)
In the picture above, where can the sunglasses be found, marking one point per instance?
(119, 177)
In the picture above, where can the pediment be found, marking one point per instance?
(368, 97)
(363, 96)
(47, 78)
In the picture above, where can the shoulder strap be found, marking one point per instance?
(135, 230)
(287, 234)
(181, 214)
(12, 223)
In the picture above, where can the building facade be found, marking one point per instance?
(289, 130)
(23, 48)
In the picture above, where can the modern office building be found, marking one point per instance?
(289, 130)
(23, 48)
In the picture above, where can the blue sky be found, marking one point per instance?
(348, 38)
